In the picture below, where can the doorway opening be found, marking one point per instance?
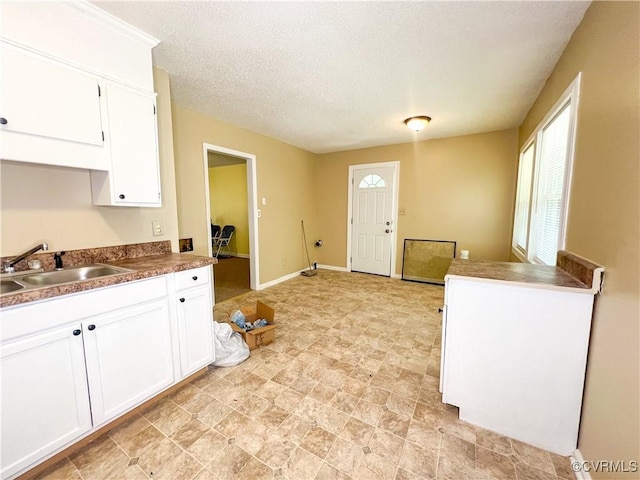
(372, 219)
(231, 192)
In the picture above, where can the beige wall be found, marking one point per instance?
(229, 203)
(44, 203)
(459, 189)
(604, 217)
(285, 177)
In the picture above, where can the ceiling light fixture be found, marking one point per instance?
(417, 123)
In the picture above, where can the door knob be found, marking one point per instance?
(121, 196)
(3, 121)
(194, 278)
(388, 223)
(387, 231)
(77, 332)
(182, 300)
(91, 327)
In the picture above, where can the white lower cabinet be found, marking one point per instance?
(45, 402)
(514, 358)
(128, 355)
(195, 328)
(71, 364)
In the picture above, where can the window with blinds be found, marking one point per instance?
(543, 183)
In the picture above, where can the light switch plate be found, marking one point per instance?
(157, 228)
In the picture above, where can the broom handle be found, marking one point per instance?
(304, 236)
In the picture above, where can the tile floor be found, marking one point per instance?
(349, 389)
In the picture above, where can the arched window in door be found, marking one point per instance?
(372, 181)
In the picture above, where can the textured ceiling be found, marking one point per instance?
(331, 76)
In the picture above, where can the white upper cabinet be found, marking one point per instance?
(49, 112)
(77, 91)
(134, 178)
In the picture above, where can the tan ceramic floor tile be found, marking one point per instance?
(252, 436)
(255, 470)
(495, 442)
(457, 459)
(301, 465)
(172, 421)
(270, 390)
(424, 436)
(183, 466)
(276, 451)
(294, 428)
(373, 467)
(419, 460)
(403, 474)
(213, 413)
(156, 455)
(318, 441)
(273, 416)
(229, 462)
(100, 458)
(395, 423)
(208, 446)
(323, 393)
(186, 435)
(494, 465)
(345, 456)
(562, 466)
(368, 412)
(376, 395)
(527, 472)
(533, 456)
(386, 445)
(327, 472)
(129, 428)
(351, 396)
(288, 400)
(357, 431)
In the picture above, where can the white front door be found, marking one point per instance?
(372, 219)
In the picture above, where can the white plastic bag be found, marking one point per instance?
(230, 348)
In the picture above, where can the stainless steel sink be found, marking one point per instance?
(73, 274)
(7, 286)
(30, 280)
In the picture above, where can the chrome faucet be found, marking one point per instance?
(8, 267)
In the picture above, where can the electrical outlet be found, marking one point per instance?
(157, 228)
(402, 211)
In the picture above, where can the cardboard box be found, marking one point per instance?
(258, 336)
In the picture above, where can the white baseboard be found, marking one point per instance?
(333, 267)
(271, 283)
(395, 275)
(580, 474)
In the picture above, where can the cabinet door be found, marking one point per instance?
(195, 328)
(128, 355)
(51, 112)
(134, 147)
(45, 401)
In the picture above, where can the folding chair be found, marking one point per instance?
(225, 238)
(215, 235)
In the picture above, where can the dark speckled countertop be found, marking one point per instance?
(572, 272)
(157, 261)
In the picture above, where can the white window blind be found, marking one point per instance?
(523, 198)
(550, 187)
(543, 183)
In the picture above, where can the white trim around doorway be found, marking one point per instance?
(252, 192)
(394, 209)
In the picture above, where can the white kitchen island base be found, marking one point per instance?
(514, 357)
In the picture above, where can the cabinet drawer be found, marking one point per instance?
(192, 278)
